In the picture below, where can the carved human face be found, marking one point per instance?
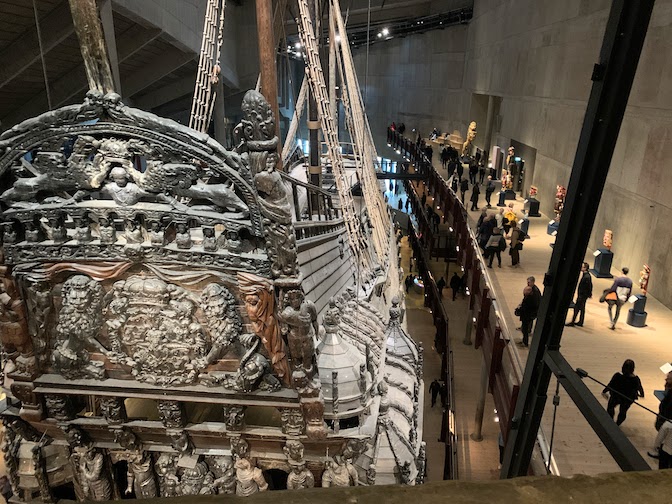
(155, 227)
(181, 228)
(119, 177)
(208, 232)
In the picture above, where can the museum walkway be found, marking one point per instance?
(593, 347)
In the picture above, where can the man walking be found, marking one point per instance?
(583, 292)
(464, 186)
(441, 285)
(434, 389)
(618, 294)
(455, 283)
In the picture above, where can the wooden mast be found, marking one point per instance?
(267, 50)
(92, 44)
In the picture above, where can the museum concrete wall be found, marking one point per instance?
(538, 55)
(417, 80)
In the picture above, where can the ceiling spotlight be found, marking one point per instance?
(337, 39)
(385, 32)
(380, 34)
(297, 45)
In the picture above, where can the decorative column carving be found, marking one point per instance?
(172, 414)
(292, 421)
(234, 416)
(113, 410)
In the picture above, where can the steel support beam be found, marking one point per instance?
(618, 444)
(612, 81)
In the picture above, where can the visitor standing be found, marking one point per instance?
(400, 205)
(489, 189)
(408, 204)
(444, 393)
(434, 389)
(623, 390)
(499, 218)
(583, 292)
(441, 284)
(526, 312)
(464, 186)
(453, 185)
(473, 171)
(455, 283)
(664, 444)
(475, 193)
(481, 172)
(516, 244)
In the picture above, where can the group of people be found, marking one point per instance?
(623, 390)
(615, 296)
(437, 388)
(492, 232)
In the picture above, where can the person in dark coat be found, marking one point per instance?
(444, 393)
(475, 193)
(434, 389)
(453, 185)
(408, 204)
(464, 187)
(455, 283)
(400, 205)
(452, 165)
(623, 390)
(459, 169)
(489, 189)
(527, 313)
(441, 284)
(583, 292)
(473, 172)
(481, 172)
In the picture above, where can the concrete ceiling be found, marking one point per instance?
(146, 57)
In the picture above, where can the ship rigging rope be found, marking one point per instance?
(209, 69)
(44, 64)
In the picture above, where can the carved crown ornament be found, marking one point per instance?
(123, 239)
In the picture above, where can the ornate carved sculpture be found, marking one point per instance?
(41, 304)
(224, 323)
(113, 410)
(196, 480)
(93, 475)
(292, 421)
(156, 330)
(471, 135)
(608, 239)
(299, 323)
(234, 416)
(133, 233)
(260, 306)
(82, 229)
(78, 324)
(59, 407)
(558, 207)
(239, 447)
(225, 474)
(254, 370)
(183, 236)
(405, 473)
(312, 404)
(250, 479)
(140, 477)
(371, 474)
(172, 414)
(40, 472)
(106, 232)
(11, 442)
(339, 472)
(125, 438)
(644, 278)
(256, 134)
(209, 241)
(180, 442)
(421, 464)
(300, 477)
(166, 471)
(293, 449)
(156, 234)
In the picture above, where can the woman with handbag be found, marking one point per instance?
(516, 245)
(494, 247)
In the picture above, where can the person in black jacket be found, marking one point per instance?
(455, 283)
(464, 186)
(623, 390)
(527, 313)
(475, 192)
(489, 189)
(434, 389)
(584, 291)
(441, 284)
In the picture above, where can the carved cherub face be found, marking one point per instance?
(119, 176)
(208, 232)
(181, 228)
(78, 295)
(155, 227)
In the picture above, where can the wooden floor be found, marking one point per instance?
(594, 347)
